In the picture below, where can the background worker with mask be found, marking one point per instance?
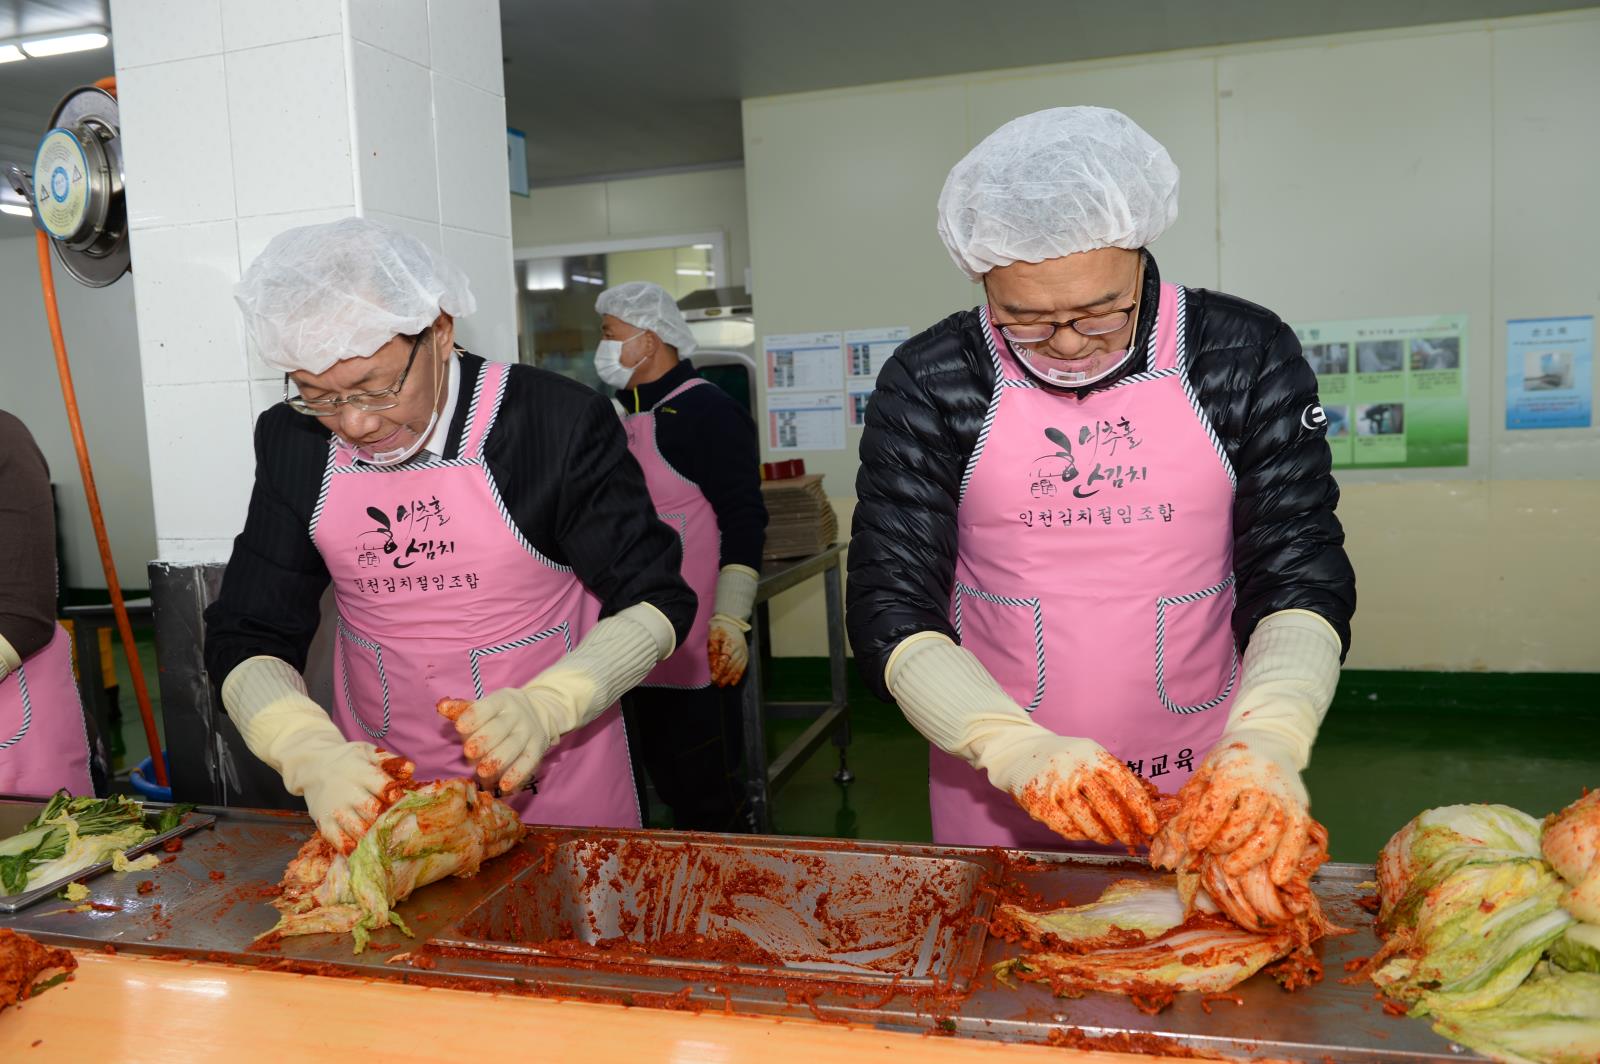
(486, 532)
(1080, 502)
(701, 463)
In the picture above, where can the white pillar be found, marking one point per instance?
(242, 118)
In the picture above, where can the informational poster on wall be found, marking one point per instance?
(805, 391)
(805, 421)
(1393, 389)
(1549, 373)
(865, 352)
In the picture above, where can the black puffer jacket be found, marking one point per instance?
(1257, 391)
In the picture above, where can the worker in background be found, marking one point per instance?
(486, 532)
(1081, 502)
(44, 743)
(702, 466)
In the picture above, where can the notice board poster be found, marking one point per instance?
(1549, 373)
(1394, 389)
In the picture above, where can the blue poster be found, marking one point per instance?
(1549, 373)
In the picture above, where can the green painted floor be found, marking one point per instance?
(1393, 744)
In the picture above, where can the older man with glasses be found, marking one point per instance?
(500, 575)
(1080, 503)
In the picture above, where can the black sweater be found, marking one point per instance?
(561, 462)
(708, 439)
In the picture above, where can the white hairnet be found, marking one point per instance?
(648, 306)
(1054, 183)
(322, 293)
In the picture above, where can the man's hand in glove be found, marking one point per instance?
(506, 734)
(1246, 804)
(1074, 787)
(727, 650)
(726, 647)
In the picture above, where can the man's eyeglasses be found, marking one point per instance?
(367, 402)
(1037, 332)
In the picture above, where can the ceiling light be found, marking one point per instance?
(702, 247)
(64, 43)
(10, 53)
(17, 209)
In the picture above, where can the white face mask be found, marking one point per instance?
(608, 362)
(1047, 369)
(398, 454)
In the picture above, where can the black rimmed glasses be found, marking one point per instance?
(367, 402)
(1037, 332)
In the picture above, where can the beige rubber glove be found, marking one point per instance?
(9, 658)
(344, 783)
(726, 647)
(1246, 799)
(1073, 786)
(508, 732)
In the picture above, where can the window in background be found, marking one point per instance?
(557, 327)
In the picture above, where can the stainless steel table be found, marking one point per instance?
(831, 718)
(211, 900)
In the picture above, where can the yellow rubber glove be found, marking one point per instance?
(9, 658)
(726, 647)
(344, 783)
(508, 732)
(1246, 799)
(1073, 786)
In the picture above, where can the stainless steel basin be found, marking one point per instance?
(823, 911)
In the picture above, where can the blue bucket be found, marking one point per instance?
(143, 778)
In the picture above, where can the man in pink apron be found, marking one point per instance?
(701, 463)
(486, 532)
(1095, 549)
(44, 743)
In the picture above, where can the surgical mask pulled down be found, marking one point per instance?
(608, 362)
(1054, 371)
(404, 442)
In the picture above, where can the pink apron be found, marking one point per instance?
(683, 506)
(440, 596)
(44, 743)
(1094, 578)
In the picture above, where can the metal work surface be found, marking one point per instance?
(16, 815)
(212, 899)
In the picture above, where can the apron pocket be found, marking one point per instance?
(1197, 662)
(358, 652)
(1008, 638)
(515, 663)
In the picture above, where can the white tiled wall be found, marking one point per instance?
(472, 186)
(160, 31)
(396, 26)
(491, 331)
(291, 120)
(253, 23)
(183, 277)
(394, 136)
(179, 170)
(465, 36)
(200, 448)
(243, 118)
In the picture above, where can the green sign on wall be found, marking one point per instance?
(1394, 389)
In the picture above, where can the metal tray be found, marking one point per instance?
(812, 912)
(15, 813)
